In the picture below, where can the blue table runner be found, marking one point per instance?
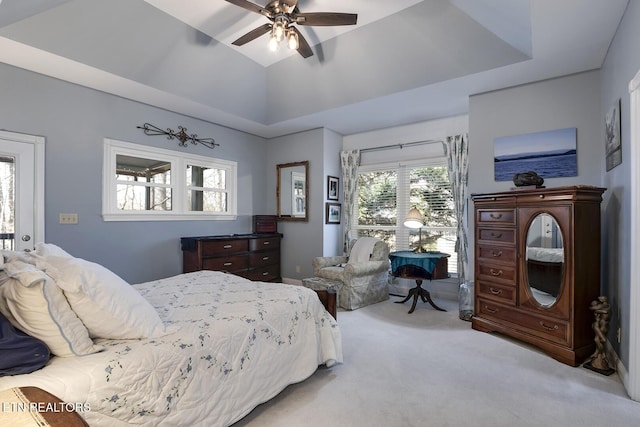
(425, 260)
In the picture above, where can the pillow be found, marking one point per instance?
(49, 249)
(33, 303)
(107, 305)
(362, 250)
(20, 353)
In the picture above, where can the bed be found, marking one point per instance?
(544, 269)
(220, 345)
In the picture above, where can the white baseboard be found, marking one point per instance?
(621, 370)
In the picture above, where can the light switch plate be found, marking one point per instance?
(68, 218)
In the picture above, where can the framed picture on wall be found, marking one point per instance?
(550, 154)
(333, 213)
(332, 187)
(613, 145)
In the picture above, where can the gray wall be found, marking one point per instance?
(332, 233)
(302, 240)
(620, 66)
(567, 102)
(75, 120)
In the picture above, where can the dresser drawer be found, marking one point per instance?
(234, 253)
(264, 244)
(496, 273)
(261, 259)
(501, 293)
(220, 247)
(542, 327)
(497, 235)
(264, 274)
(496, 216)
(500, 254)
(229, 263)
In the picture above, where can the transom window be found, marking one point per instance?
(146, 183)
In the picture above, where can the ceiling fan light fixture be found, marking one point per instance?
(292, 40)
(273, 43)
(279, 30)
(284, 14)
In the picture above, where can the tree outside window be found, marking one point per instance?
(385, 196)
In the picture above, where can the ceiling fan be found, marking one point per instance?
(284, 14)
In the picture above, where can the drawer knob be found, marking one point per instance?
(495, 291)
(496, 235)
(266, 243)
(490, 309)
(496, 254)
(227, 246)
(265, 258)
(227, 264)
(541, 196)
(266, 273)
(495, 273)
(549, 328)
(495, 216)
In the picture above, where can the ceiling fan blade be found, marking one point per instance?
(252, 7)
(325, 18)
(303, 47)
(253, 34)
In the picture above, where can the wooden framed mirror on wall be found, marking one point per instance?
(292, 191)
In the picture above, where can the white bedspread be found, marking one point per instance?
(236, 344)
(545, 254)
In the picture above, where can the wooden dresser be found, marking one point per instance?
(543, 301)
(254, 256)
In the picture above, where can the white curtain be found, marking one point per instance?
(457, 151)
(350, 162)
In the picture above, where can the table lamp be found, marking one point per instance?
(415, 219)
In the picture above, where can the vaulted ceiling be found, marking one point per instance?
(405, 61)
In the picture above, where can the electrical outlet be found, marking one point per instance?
(297, 269)
(68, 218)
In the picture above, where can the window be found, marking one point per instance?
(385, 194)
(7, 201)
(146, 183)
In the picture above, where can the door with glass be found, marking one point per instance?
(21, 195)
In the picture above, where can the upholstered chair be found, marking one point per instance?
(362, 276)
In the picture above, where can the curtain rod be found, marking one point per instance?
(401, 146)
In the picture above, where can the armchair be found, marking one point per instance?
(363, 276)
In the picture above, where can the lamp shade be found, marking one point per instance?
(414, 219)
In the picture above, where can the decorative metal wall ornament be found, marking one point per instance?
(181, 135)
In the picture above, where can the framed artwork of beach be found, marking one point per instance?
(550, 154)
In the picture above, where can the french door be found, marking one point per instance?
(21, 191)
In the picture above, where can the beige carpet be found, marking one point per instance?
(429, 368)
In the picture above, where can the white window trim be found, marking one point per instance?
(178, 160)
(402, 233)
